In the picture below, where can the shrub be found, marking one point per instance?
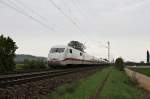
(34, 64)
(119, 63)
(19, 66)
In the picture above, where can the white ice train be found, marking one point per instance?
(65, 55)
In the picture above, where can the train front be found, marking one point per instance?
(56, 56)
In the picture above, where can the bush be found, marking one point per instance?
(7, 54)
(34, 64)
(119, 63)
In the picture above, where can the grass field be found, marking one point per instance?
(118, 86)
(145, 71)
(82, 89)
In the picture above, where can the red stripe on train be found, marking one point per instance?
(71, 59)
(76, 59)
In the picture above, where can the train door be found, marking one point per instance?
(81, 58)
(71, 56)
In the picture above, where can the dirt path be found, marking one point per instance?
(98, 91)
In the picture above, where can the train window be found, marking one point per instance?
(57, 50)
(70, 50)
(53, 50)
(60, 50)
(81, 54)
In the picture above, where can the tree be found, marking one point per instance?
(7, 54)
(147, 56)
(119, 63)
(77, 45)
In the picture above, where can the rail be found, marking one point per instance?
(16, 79)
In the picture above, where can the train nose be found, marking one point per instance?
(54, 62)
(54, 59)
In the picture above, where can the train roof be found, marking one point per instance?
(59, 46)
(64, 46)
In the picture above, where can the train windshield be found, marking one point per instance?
(57, 50)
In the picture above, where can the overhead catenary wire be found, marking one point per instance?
(10, 5)
(82, 10)
(30, 9)
(70, 10)
(40, 21)
(78, 7)
(68, 17)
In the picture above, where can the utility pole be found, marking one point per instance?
(108, 51)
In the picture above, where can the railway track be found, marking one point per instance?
(22, 78)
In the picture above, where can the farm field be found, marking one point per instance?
(82, 89)
(145, 71)
(117, 86)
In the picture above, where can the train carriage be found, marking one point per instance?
(65, 55)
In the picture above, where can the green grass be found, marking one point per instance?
(145, 71)
(119, 86)
(19, 66)
(82, 89)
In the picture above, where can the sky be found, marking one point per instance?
(37, 25)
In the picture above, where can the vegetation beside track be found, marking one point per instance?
(82, 89)
(145, 71)
(32, 65)
(118, 86)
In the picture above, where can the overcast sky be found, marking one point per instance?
(36, 25)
